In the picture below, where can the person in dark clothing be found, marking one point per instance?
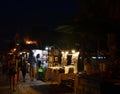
(12, 72)
(38, 60)
(24, 69)
(19, 68)
(69, 59)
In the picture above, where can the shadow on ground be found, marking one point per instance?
(53, 89)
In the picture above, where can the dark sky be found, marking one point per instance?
(22, 15)
(30, 15)
(41, 15)
(33, 15)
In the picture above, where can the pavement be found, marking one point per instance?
(33, 87)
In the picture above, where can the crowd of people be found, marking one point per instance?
(13, 65)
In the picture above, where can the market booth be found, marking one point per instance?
(64, 71)
(90, 80)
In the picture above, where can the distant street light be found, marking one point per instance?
(31, 42)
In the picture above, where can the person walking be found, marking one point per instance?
(12, 72)
(24, 69)
(33, 67)
(19, 61)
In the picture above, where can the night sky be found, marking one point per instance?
(33, 16)
(44, 15)
(27, 15)
(20, 15)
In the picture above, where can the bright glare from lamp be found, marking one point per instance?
(73, 51)
(31, 42)
(62, 52)
(66, 52)
(14, 49)
(46, 48)
(28, 42)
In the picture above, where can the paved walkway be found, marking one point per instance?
(32, 87)
(22, 87)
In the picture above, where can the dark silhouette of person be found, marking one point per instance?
(69, 59)
(24, 69)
